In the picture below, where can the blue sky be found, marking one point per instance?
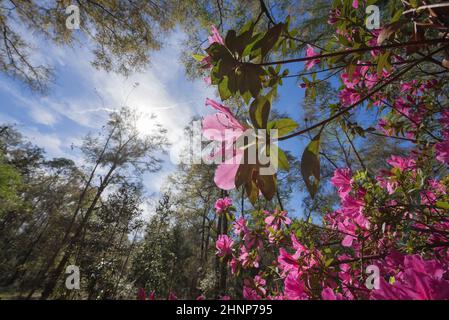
(80, 98)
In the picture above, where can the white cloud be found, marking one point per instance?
(163, 90)
(38, 112)
(51, 142)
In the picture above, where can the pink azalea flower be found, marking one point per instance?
(310, 52)
(442, 151)
(141, 295)
(252, 239)
(334, 14)
(428, 197)
(352, 206)
(349, 97)
(437, 186)
(250, 293)
(371, 80)
(384, 126)
(347, 240)
(342, 181)
(329, 294)
(172, 296)
(419, 280)
(276, 219)
(297, 245)
(207, 81)
(233, 264)
(294, 288)
(224, 245)
(248, 259)
(287, 262)
(290, 263)
(389, 182)
(403, 107)
(401, 163)
(240, 227)
(254, 289)
(445, 119)
(223, 127)
(221, 205)
(355, 4)
(408, 86)
(373, 42)
(360, 75)
(215, 37)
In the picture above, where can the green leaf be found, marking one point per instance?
(244, 39)
(389, 30)
(231, 40)
(382, 63)
(259, 111)
(310, 166)
(442, 205)
(267, 185)
(218, 52)
(226, 67)
(269, 40)
(244, 174)
(250, 79)
(199, 57)
(397, 16)
(284, 126)
(282, 160)
(252, 192)
(246, 97)
(223, 89)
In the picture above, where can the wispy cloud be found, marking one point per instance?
(82, 98)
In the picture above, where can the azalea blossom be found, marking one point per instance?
(172, 296)
(310, 52)
(442, 151)
(276, 219)
(349, 97)
(249, 258)
(215, 37)
(240, 227)
(224, 245)
(233, 264)
(342, 181)
(329, 294)
(221, 205)
(294, 288)
(334, 14)
(141, 295)
(419, 280)
(225, 129)
(385, 127)
(388, 181)
(401, 163)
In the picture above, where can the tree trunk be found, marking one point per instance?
(51, 283)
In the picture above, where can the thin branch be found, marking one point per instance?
(346, 52)
(264, 9)
(366, 97)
